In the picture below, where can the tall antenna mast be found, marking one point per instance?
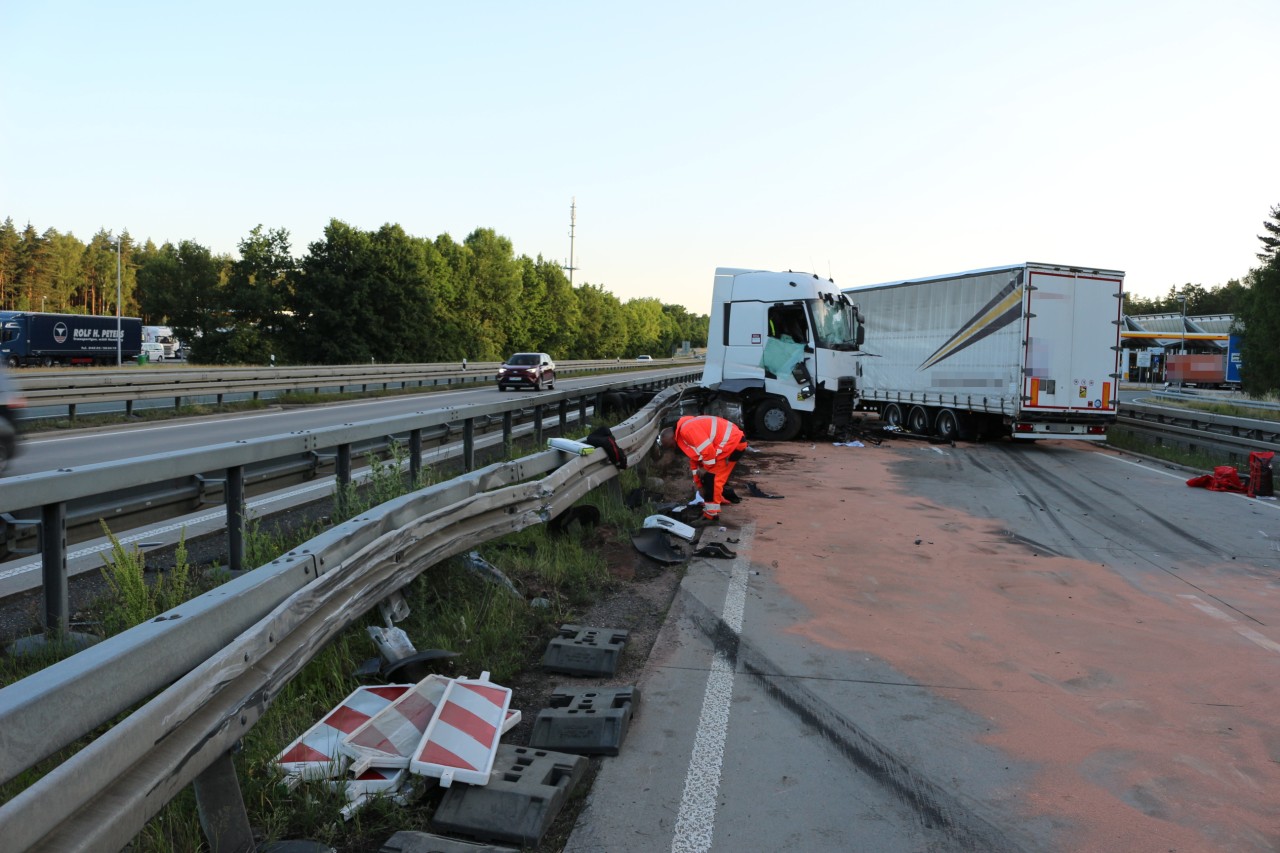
(573, 221)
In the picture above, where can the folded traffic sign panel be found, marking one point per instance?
(462, 738)
(315, 755)
(388, 738)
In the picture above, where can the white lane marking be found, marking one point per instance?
(97, 434)
(695, 822)
(1243, 630)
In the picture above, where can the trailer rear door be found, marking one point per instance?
(1073, 335)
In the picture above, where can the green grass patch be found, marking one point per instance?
(1124, 439)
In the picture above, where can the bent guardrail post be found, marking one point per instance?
(223, 817)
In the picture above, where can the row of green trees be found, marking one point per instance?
(1258, 316)
(355, 296)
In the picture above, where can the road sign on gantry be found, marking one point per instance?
(462, 738)
(315, 755)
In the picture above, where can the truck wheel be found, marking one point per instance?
(918, 420)
(892, 415)
(776, 421)
(13, 361)
(947, 425)
(46, 362)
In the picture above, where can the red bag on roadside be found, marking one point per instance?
(1224, 478)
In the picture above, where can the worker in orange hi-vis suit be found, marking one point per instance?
(713, 445)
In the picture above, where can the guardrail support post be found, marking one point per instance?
(342, 473)
(537, 426)
(415, 457)
(582, 410)
(222, 813)
(53, 559)
(507, 432)
(469, 444)
(234, 495)
(563, 410)
(177, 403)
(128, 408)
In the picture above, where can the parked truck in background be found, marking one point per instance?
(35, 338)
(1028, 350)
(164, 336)
(782, 346)
(1203, 370)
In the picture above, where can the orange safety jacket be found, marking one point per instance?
(706, 440)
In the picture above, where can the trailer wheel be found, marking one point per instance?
(776, 421)
(947, 425)
(46, 362)
(892, 415)
(918, 420)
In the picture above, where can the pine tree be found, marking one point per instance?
(1271, 244)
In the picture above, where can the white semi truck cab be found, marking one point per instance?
(784, 346)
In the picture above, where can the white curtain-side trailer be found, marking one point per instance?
(1029, 350)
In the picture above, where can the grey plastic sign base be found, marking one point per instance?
(585, 651)
(586, 720)
(526, 791)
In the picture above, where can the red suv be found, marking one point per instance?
(533, 370)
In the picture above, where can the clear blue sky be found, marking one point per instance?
(866, 141)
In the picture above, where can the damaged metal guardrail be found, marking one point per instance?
(67, 504)
(218, 661)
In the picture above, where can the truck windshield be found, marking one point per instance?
(834, 326)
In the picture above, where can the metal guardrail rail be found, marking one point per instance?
(165, 485)
(1232, 438)
(71, 389)
(215, 663)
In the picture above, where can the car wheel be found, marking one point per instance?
(537, 384)
(6, 452)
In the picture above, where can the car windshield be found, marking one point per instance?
(523, 359)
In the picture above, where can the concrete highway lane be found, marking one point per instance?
(982, 647)
(50, 450)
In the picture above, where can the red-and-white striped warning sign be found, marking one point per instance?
(315, 755)
(389, 738)
(462, 739)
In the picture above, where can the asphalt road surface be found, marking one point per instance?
(1049, 647)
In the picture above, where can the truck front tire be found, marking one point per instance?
(774, 420)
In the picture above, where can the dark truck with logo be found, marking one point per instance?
(35, 338)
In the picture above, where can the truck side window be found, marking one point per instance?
(788, 320)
